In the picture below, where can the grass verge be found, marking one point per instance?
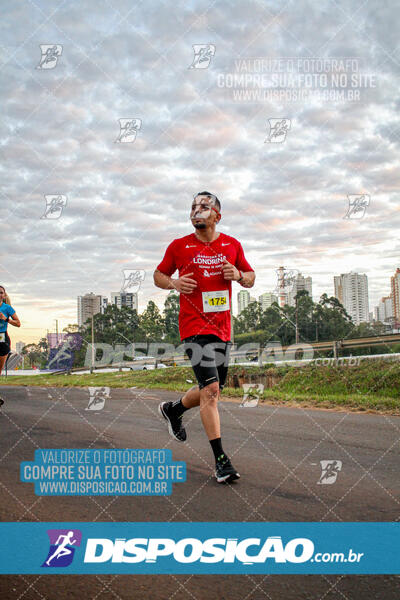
(368, 386)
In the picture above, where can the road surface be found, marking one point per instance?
(276, 449)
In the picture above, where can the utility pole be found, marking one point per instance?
(57, 332)
(297, 323)
(91, 370)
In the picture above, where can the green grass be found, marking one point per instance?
(370, 386)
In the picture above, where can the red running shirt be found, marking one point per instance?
(204, 260)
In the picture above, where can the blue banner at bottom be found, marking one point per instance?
(199, 548)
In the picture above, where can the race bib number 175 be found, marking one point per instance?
(216, 301)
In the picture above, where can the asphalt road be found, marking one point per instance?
(276, 449)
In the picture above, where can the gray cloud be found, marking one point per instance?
(285, 202)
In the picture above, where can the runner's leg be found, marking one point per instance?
(191, 398)
(4, 349)
(2, 362)
(209, 414)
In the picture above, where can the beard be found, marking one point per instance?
(200, 225)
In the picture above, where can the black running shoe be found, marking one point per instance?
(175, 428)
(225, 472)
(1, 401)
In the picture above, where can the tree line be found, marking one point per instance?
(325, 320)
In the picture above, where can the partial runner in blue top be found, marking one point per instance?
(7, 316)
(7, 311)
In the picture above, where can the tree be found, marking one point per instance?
(336, 323)
(43, 345)
(274, 323)
(152, 323)
(171, 318)
(33, 352)
(368, 330)
(323, 321)
(304, 316)
(71, 328)
(249, 319)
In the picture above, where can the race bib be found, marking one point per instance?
(2, 337)
(216, 301)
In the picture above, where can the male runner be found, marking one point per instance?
(207, 261)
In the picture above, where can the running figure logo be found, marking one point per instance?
(62, 547)
(278, 129)
(50, 55)
(357, 206)
(128, 130)
(203, 54)
(330, 470)
(54, 206)
(63, 356)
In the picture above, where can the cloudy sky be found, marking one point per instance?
(284, 196)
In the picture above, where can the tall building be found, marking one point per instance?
(300, 283)
(395, 295)
(125, 299)
(384, 311)
(351, 289)
(243, 299)
(267, 299)
(19, 346)
(89, 305)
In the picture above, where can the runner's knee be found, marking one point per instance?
(209, 394)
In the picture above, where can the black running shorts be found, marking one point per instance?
(209, 356)
(5, 346)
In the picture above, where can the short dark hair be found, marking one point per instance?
(217, 202)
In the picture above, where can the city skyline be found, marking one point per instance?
(79, 205)
(383, 310)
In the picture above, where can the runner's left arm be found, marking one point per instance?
(248, 280)
(14, 320)
(242, 265)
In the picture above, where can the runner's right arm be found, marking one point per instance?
(183, 284)
(162, 275)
